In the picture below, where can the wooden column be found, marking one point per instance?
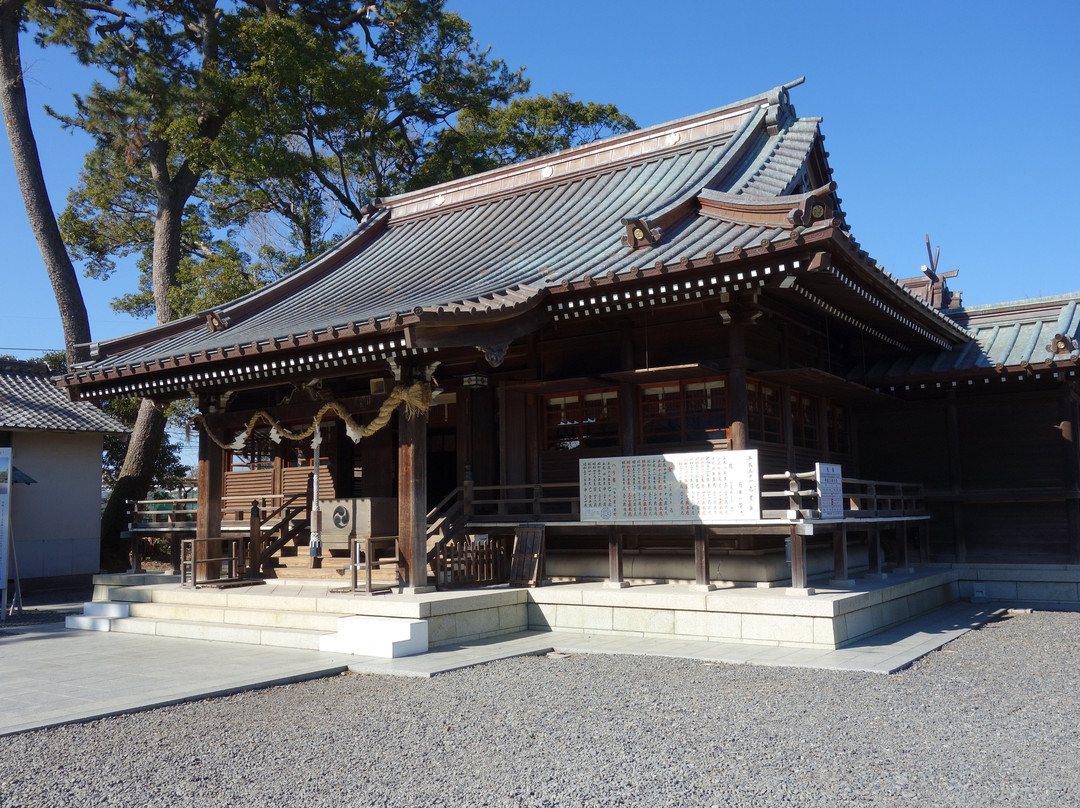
(840, 557)
(739, 418)
(615, 558)
(956, 480)
(628, 395)
(787, 417)
(1070, 477)
(412, 496)
(798, 559)
(701, 557)
(873, 549)
(211, 479)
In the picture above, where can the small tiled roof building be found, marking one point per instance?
(56, 443)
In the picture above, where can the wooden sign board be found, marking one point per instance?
(830, 484)
(684, 488)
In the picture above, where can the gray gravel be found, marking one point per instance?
(989, 720)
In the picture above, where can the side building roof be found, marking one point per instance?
(1017, 337)
(29, 401)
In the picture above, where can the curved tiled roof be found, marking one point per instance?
(495, 245)
(29, 401)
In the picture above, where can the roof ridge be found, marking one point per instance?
(610, 153)
(24, 366)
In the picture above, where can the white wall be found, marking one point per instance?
(56, 521)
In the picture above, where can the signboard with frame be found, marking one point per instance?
(682, 488)
(830, 484)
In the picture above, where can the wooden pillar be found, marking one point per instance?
(1070, 477)
(905, 555)
(412, 496)
(628, 395)
(211, 477)
(615, 558)
(738, 428)
(701, 557)
(787, 418)
(798, 558)
(873, 549)
(840, 557)
(956, 479)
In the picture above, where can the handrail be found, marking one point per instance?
(444, 502)
(231, 563)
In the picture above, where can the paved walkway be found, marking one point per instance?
(50, 675)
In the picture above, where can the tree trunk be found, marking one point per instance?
(134, 482)
(35, 195)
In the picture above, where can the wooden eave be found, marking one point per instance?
(252, 304)
(980, 378)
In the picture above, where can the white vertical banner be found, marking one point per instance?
(7, 473)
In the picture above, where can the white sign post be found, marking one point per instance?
(6, 480)
(830, 482)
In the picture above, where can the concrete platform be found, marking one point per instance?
(54, 676)
(295, 613)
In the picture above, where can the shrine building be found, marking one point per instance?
(452, 366)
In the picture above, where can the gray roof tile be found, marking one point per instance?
(30, 401)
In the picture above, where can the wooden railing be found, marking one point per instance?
(195, 570)
(522, 502)
(799, 497)
(471, 561)
(262, 517)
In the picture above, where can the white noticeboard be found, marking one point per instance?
(830, 482)
(6, 475)
(687, 488)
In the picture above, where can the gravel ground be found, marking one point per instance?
(989, 720)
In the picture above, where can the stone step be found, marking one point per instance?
(221, 632)
(386, 637)
(255, 618)
(97, 616)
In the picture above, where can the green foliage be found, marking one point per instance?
(267, 122)
(169, 470)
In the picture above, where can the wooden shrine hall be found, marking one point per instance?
(690, 288)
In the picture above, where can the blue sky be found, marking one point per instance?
(956, 119)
